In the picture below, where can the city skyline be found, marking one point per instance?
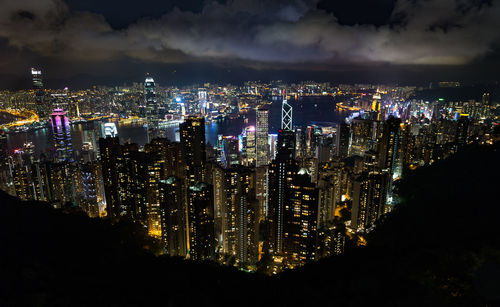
(249, 152)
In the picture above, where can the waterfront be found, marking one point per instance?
(306, 110)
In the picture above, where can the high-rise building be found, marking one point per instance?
(40, 106)
(231, 154)
(132, 176)
(300, 217)
(192, 135)
(61, 132)
(461, 135)
(389, 143)
(262, 150)
(343, 137)
(110, 150)
(369, 199)
(89, 179)
(154, 166)
(248, 146)
(201, 221)
(286, 114)
(151, 107)
(286, 143)
(173, 217)
(282, 170)
(239, 213)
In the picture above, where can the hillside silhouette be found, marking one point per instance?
(440, 247)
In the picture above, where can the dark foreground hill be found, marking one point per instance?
(440, 247)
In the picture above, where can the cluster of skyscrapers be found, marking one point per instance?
(296, 196)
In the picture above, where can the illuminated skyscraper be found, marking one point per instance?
(151, 107)
(286, 114)
(239, 213)
(89, 177)
(192, 134)
(262, 150)
(282, 170)
(39, 92)
(300, 217)
(154, 164)
(61, 132)
(231, 154)
(248, 145)
(202, 100)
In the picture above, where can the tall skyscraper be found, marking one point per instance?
(300, 219)
(192, 134)
(201, 221)
(262, 147)
(154, 165)
(132, 174)
(286, 114)
(89, 181)
(248, 145)
(282, 170)
(110, 150)
(239, 213)
(151, 107)
(173, 217)
(40, 106)
(343, 137)
(61, 132)
(461, 134)
(231, 154)
(369, 199)
(389, 143)
(286, 143)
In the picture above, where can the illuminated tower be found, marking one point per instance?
(61, 132)
(39, 92)
(300, 216)
(282, 170)
(151, 107)
(249, 145)
(262, 151)
(202, 99)
(238, 213)
(192, 134)
(286, 114)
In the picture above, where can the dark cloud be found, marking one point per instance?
(307, 34)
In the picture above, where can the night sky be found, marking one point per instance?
(82, 43)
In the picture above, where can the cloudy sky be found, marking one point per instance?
(95, 41)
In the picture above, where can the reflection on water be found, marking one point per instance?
(305, 110)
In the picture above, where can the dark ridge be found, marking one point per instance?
(440, 247)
